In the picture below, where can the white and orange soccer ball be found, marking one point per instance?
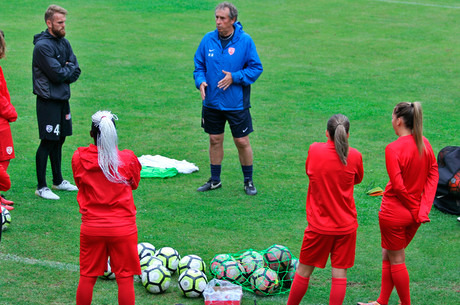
(278, 258)
(264, 281)
(218, 260)
(230, 270)
(251, 260)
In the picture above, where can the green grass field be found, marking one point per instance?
(359, 58)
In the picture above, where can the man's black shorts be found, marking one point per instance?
(54, 119)
(240, 121)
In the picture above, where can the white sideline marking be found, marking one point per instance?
(51, 264)
(44, 263)
(418, 3)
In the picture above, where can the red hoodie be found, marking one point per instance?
(107, 208)
(7, 114)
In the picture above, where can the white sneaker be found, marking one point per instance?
(65, 186)
(46, 193)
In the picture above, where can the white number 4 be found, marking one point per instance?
(56, 130)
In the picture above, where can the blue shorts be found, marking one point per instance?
(240, 121)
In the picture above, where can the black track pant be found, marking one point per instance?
(53, 149)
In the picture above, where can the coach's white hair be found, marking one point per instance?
(107, 145)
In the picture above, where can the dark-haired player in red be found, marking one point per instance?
(333, 169)
(406, 203)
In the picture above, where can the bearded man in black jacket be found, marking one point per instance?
(54, 68)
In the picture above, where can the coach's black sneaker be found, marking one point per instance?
(209, 186)
(249, 188)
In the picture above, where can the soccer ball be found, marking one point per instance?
(169, 257)
(191, 262)
(454, 184)
(264, 281)
(192, 282)
(231, 270)
(156, 279)
(278, 258)
(2, 218)
(288, 276)
(218, 260)
(145, 249)
(251, 260)
(148, 261)
(294, 264)
(108, 274)
(6, 219)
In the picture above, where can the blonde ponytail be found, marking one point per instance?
(412, 116)
(417, 130)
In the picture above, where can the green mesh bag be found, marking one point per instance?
(266, 272)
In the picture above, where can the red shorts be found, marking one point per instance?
(317, 247)
(397, 236)
(95, 250)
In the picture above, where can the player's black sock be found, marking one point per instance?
(215, 172)
(247, 172)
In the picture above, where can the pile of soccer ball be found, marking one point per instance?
(266, 272)
(158, 266)
(6, 218)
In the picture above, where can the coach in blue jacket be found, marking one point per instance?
(226, 64)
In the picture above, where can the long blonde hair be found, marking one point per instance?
(412, 116)
(104, 131)
(338, 126)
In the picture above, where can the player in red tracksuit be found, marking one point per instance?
(7, 115)
(5, 185)
(408, 197)
(333, 169)
(5, 182)
(105, 178)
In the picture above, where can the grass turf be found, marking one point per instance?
(358, 58)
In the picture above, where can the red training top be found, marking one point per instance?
(330, 204)
(5, 182)
(107, 208)
(413, 181)
(7, 114)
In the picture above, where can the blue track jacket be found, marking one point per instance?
(239, 57)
